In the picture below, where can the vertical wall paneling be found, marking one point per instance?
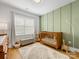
(57, 20)
(42, 26)
(45, 22)
(75, 23)
(50, 22)
(65, 22)
(64, 19)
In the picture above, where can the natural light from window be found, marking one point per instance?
(23, 25)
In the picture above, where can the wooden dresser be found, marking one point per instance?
(3, 46)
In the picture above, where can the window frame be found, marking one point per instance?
(32, 18)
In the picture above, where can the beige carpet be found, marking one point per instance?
(39, 51)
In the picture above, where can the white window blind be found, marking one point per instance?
(24, 25)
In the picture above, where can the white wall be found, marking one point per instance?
(6, 13)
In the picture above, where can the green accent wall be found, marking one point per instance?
(66, 22)
(64, 19)
(57, 20)
(50, 22)
(44, 23)
(75, 22)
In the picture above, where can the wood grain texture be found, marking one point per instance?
(14, 54)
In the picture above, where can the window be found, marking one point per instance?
(24, 25)
(29, 26)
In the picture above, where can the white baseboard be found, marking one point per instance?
(73, 49)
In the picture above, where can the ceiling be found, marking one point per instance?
(41, 8)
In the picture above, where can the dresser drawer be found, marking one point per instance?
(1, 48)
(4, 47)
(2, 55)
